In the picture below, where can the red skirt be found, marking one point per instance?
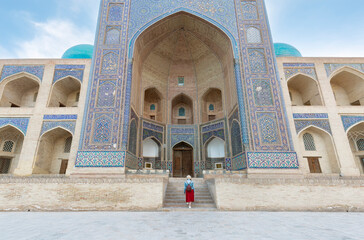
(190, 196)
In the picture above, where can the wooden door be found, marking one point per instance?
(187, 163)
(314, 165)
(64, 165)
(177, 163)
(4, 165)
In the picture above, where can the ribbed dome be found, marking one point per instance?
(286, 50)
(82, 51)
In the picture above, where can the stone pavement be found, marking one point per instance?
(181, 225)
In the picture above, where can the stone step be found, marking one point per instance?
(194, 205)
(183, 202)
(186, 209)
(183, 196)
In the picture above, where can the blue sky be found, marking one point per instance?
(46, 28)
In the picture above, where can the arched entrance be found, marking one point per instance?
(182, 160)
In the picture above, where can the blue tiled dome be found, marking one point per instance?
(81, 51)
(286, 50)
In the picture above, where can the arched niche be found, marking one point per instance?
(212, 105)
(53, 152)
(11, 143)
(152, 153)
(153, 105)
(215, 153)
(318, 149)
(356, 140)
(304, 91)
(65, 93)
(19, 91)
(348, 87)
(182, 110)
(183, 53)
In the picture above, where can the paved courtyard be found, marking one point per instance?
(181, 225)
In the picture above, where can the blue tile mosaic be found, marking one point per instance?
(323, 124)
(36, 70)
(19, 123)
(332, 67)
(296, 69)
(272, 160)
(60, 117)
(350, 121)
(310, 115)
(100, 159)
(62, 71)
(50, 125)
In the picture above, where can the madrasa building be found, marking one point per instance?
(176, 88)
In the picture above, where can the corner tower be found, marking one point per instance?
(184, 86)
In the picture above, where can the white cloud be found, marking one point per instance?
(52, 38)
(5, 54)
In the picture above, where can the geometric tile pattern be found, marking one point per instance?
(272, 160)
(100, 159)
(332, 67)
(213, 130)
(239, 162)
(262, 92)
(257, 62)
(131, 161)
(102, 130)
(310, 115)
(19, 123)
(68, 125)
(350, 121)
(11, 70)
(60, 117)
(323, 124)
(63, 71)
(292, 69)
(228, 165)
(153, 130)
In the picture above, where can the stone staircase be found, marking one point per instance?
(175, 199)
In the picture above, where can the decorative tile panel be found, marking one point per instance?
(228, 164)
(62, 71)
(113, 35)
(106, 94)
(332, 67)
(350, 121)
(323, 124)
(100, 159)
(102, 128)
(19, 123)
(292, 69)
(49, 125)
(216, 133)
(110, 62)
(310, 115)
(262, 92)
(131, 161)
(239, 162)
(257, 60)
(36, 70)
(60, 117)
(250, 11)
(268, 128)
(272, 160)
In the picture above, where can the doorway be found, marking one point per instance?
(4, 165)
(182, 160)
(314, 165)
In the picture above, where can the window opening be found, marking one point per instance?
(62, 105)
(14, 105)
(182, 112)
(8, 146)
(67, 145)
(181, 81)
(360, 144)
(211, 107)
(356, 103)
(152, 107)
(309, 142)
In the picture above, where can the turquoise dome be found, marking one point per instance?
(81, 51)
(286, 50)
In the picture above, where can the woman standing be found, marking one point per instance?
(189, 191)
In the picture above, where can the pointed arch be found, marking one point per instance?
(347, 85)
(51, 157)
(313, 126)
(354, 125)
(19, 90)
(182, 142)
(304, 90)
(64, 92)
(325, 150)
